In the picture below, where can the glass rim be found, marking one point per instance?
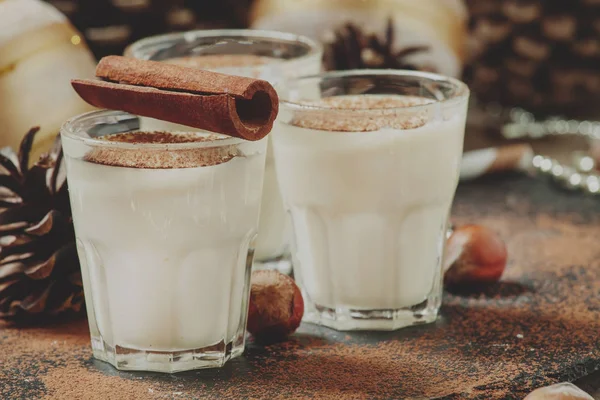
(315, 48)
(70, 130)
(462, 90)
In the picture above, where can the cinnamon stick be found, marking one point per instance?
(477, 163)
(231, 105)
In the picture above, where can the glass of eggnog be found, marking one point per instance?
(165, 225)
(267, 55)
(368, 164)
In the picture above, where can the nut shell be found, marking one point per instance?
(561, 391)
(475, 255)
(276, 306)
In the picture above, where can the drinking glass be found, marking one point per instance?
(165, 233)
(268, 55)
(368, 164)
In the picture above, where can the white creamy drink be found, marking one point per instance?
(164, 238)
(271, 56)
(369, 200)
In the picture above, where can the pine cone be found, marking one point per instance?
(39, 268)
(351, 48)
(543, 55)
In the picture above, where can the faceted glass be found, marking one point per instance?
(272, 56)
(165, 252)
(368, 164)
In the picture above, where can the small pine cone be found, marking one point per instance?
(39, 269)
(349, 47)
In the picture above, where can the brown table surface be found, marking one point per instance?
(540, 325)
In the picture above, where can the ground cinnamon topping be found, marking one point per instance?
(160, 137)
(369, 102)
(364, 113)
(161, 158)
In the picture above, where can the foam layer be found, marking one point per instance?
(162, 158)
(365, 113)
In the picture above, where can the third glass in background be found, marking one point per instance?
(368, 164)
(272, 56)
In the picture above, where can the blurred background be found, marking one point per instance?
(542, 56)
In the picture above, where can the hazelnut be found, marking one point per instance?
(475, 255)
(560, 391)
(276, 306)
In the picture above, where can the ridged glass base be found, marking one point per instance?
(127, 359)
(346, 319)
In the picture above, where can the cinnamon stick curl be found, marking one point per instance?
(231, 105)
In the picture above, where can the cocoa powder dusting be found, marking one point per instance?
(53, 363)
(162, 158)
(537, 327)
(366, 113)
(74, 383)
